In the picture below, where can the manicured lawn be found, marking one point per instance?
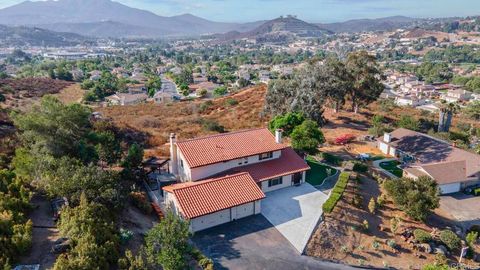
(392, 167)
(317, 172)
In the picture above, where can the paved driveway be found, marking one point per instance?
(295, 212)
(465, 209)
(253, 243)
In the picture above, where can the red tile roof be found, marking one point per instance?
(229, 146)
(205, 197)
(288, 163)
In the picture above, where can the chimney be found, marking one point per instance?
(173, 154)
(387, 137)
(278, 136)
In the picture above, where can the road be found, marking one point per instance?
(168, 86)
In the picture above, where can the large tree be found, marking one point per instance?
(367, 85)
(307, 137)
(417, 197)
(167, 243)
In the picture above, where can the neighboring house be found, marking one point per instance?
(452, 168)
(457, 95)
(95, 75)
(224, 177)
(209, 86)
(126, 99)
(136, 88)
(165, 97)
(409, 101)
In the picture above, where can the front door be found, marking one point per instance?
(297, 178)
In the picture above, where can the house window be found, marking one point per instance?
(265, 156)
(275, 182)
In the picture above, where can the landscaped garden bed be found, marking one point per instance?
(392, 167)
(318, 172)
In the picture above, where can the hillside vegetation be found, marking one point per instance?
(155, 122)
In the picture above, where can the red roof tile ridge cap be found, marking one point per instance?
(206, 181)
(221, 134)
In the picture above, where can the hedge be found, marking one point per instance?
(336, 193)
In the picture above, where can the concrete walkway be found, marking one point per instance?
(376, 164)
(295, 212)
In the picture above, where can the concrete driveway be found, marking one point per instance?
(295, 212)
(253, 243)
(465, 209)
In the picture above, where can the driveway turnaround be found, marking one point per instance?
(295, 212)
(253, 243)
(463, 208)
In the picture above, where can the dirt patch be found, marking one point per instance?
(71, 94)
(341, 237)
(134, 220)
(43, 236)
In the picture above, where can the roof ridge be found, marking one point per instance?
(222, 134)
(444, 162)
(206, 181)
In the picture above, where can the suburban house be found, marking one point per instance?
(224, 177)
(409, 101)
(126, 99)
(452, 168)
(457, 95)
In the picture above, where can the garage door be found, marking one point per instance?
(450, 188)
(211, 220)
(245, 210)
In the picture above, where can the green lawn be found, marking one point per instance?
(392, 167)
(317, 172)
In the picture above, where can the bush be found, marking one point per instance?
(220, 91)
(422, 236)
(205, 106)
(231, 102)
(372, 206)
(360, 167)
(450, 239)
(286, 122)
(331, 159)
(139, 199)
(212, 125)
(203, 261)
(201, 93)
(365, 225)
(2, 98)
(392, 244)
(336, 193)
(471, 238)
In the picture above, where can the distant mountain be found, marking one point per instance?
(279, 29)
(22, 36)
(362, 25)
(109, 18)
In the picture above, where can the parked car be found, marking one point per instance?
(57, 205)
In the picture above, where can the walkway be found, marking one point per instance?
(295, 212)
(376, 164)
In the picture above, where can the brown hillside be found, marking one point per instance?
(187, 119)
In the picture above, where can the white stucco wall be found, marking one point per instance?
(383, 147)
(286, 182)
(187, 174)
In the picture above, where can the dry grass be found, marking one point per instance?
(71, 94)
(186, 118)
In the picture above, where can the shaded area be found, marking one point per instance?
(392, 167)
(253, 243)
(318, 172)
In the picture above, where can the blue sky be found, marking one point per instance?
(311, 10)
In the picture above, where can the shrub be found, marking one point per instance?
(286, 122)
(205, 106)
(344, 139)
(2, 98)
(201, 93)
(381, 200)
(422, 236)
(471, 238)
(375, 244)
(336, 193)
(372, 206)
(450, 239)
(220, 91)
(139, 199)
(212, 125)
(231, 102)
(331, 159)
(391, 243)
(394, 224)
(360, 167)
(366, 225)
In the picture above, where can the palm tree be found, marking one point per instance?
(447, 110)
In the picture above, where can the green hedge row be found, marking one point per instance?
(337, 192)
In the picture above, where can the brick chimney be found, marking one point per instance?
(173, 154)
